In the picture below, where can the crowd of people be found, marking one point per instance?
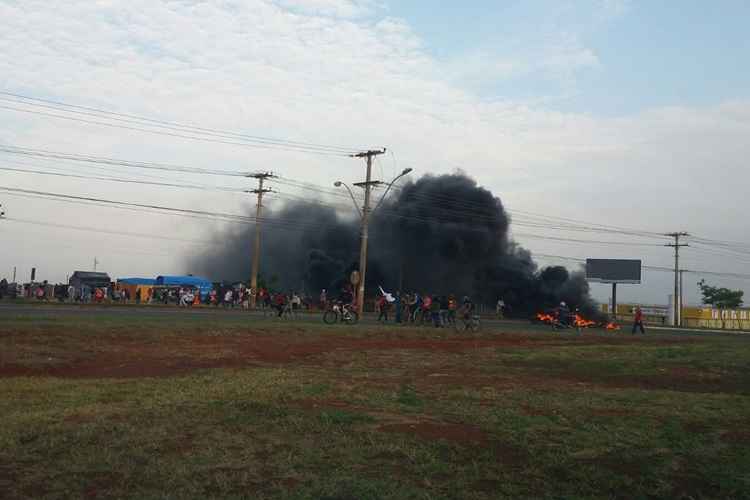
(407, 308)
(413, 308)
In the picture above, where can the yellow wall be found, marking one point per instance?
(705, 317)
(694, 317)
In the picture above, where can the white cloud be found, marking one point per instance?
(336, 8)
(317, 71)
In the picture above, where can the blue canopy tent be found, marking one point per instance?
(203, 285)
(137, 281)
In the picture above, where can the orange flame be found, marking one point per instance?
(582, 322)
(613, 326)
(545, 318)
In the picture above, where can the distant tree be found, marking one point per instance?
(720, 298)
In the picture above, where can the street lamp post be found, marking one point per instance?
(365, 221)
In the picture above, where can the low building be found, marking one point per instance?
(80, 279)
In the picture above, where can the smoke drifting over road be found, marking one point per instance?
(440, 234)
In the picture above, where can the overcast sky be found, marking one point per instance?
(632, 114)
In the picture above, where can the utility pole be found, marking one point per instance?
(95, 263)
(677, 298)
(367, 185)
(256, 247)
(681, 304)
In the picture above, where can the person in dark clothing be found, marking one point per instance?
(280, 303)
(435, 312)
(563, 315)
(638, 321)
(399, 307)
(382, 304)
(444, 306)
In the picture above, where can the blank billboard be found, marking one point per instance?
(613, 271)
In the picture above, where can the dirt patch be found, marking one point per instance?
(736, 437)
(611, 412)
(120, 354)
(100, 484)
(430, 431)
(487, 486)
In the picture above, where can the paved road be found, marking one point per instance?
(68, 310)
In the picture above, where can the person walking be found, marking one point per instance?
(444, 307)
(296, 304)
(500, 308)
(435, 312)
(426, 307)
(452, 307)
(382, 309)
(638, 321)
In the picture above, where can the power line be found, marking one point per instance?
(41, 153)
(650, 268)
(104, 231)
(256, 140)
(593, 242)
(288, 223)
(533, 222)
(126, 181)
(172, 134)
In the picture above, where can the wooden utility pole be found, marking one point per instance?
(677, 299)
(256, 247)
(367, 185)
(681, 303)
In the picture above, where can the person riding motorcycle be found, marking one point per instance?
(563, 315)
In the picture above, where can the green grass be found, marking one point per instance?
(366, 413)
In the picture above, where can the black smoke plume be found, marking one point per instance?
(439, 235)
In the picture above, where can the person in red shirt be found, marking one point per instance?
(382, 305)
(638, 321)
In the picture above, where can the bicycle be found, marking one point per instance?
(340, 312)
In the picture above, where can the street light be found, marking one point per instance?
(406, 171)
(339, 184)
(365, 217)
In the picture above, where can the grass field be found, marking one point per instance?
(223, 406)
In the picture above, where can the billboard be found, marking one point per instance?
(613, 271)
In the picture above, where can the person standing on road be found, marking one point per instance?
(563, 315)
(452, 306)
(444, 307)
(500, 308)
(467, 312)
(382, 305)
(425, 309)
(435, 311)
(638, 321)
